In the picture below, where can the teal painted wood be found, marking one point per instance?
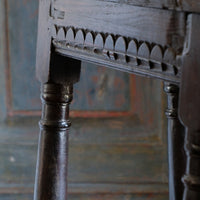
(91, 197)
(22, 24)
(3, 61)
(101, 89)
(16, 196)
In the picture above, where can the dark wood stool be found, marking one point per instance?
(158, 39)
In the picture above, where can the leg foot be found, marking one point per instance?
(51, 174)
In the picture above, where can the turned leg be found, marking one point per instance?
(56, 95)
(176, 158)
(51, 176)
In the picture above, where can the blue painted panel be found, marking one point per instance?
(22, 37)
(92, 197)
(99, 89)
(3, 62)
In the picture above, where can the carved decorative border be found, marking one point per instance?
(128, 51)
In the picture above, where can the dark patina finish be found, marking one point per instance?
(158, 39)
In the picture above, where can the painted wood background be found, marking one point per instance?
(118, 137)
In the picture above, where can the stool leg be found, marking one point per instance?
(56, 95)
(176, 132)
(51, 174)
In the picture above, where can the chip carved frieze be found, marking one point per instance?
(140, 54)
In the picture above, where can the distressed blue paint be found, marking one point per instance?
(22, 37)
(3, 63)
(101, 89)
(92, 197)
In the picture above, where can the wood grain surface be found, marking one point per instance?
(180, 5)
(153, 25)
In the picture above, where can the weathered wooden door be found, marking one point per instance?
(118, 136)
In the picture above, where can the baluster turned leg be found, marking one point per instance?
(176, 131)
(56, 95)
(51, 177)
